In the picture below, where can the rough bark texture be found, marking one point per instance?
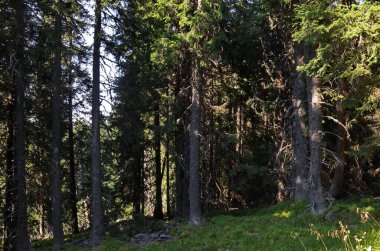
(97, 231)
(194, 181)
(336, 188)
(300, 151)
(56, 138)
(22, 235)
(158, 176)
(316, 196)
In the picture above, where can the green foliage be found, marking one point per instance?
(346, 38)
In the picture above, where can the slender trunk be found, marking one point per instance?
(239, 116)
(167, 145)
(281, 172)
(41, 225)
(317, 199)
(336, 188)
(158, 176)
(178, 149)
(56, 139)
(300, 162)
(22, 236)
(212, 190)
(167, 178)
(10, 189)
(136, 190)
(138, 182)
(97, 231)
(194, 182)
(72, 181)
(181, 137)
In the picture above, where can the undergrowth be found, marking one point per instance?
(352, 224)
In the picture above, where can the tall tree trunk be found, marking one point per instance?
(300, 149)
(181, 137)
(316, 196)
(336, 188)
(10, 189)
(167, 147)
(72, 181)
(138, 182)
(168, 211)
(22, 234)
(56, 138)
(97, 231)
(194, 182)
(158, 176)
(41, 223)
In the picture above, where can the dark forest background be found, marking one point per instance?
(212, 105)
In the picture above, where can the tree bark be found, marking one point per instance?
(138, 182)
(22, 234)
(300, 149)
(168, 211)
(317, 199)
(336, 188)
(181, 137)
(158, 176)
(72, 181)
(194, 181)
(97, 231)
(56, 138)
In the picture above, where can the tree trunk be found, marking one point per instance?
(158, 176)
(22, 235)
(97, 231)
(72, 181)
(41, 223)
(317, 199)
(181, 137)
(138, 182)
(337, 184)
(300, 153)
(168, 211)
(194, 182)
(10, 189)
(56, 138)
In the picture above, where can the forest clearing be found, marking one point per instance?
(287, 226)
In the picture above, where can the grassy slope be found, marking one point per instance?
(281, 227)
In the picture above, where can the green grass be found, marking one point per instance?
(286, 226)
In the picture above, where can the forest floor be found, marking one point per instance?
(350, 224)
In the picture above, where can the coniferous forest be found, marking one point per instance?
(121, 118)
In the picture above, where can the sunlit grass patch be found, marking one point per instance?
(287, 226)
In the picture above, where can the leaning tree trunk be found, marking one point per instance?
(22, 235)
(194, 182)
(316, 196)
(336, 188)
(300, 151)
(97, 231)
(56, 138)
